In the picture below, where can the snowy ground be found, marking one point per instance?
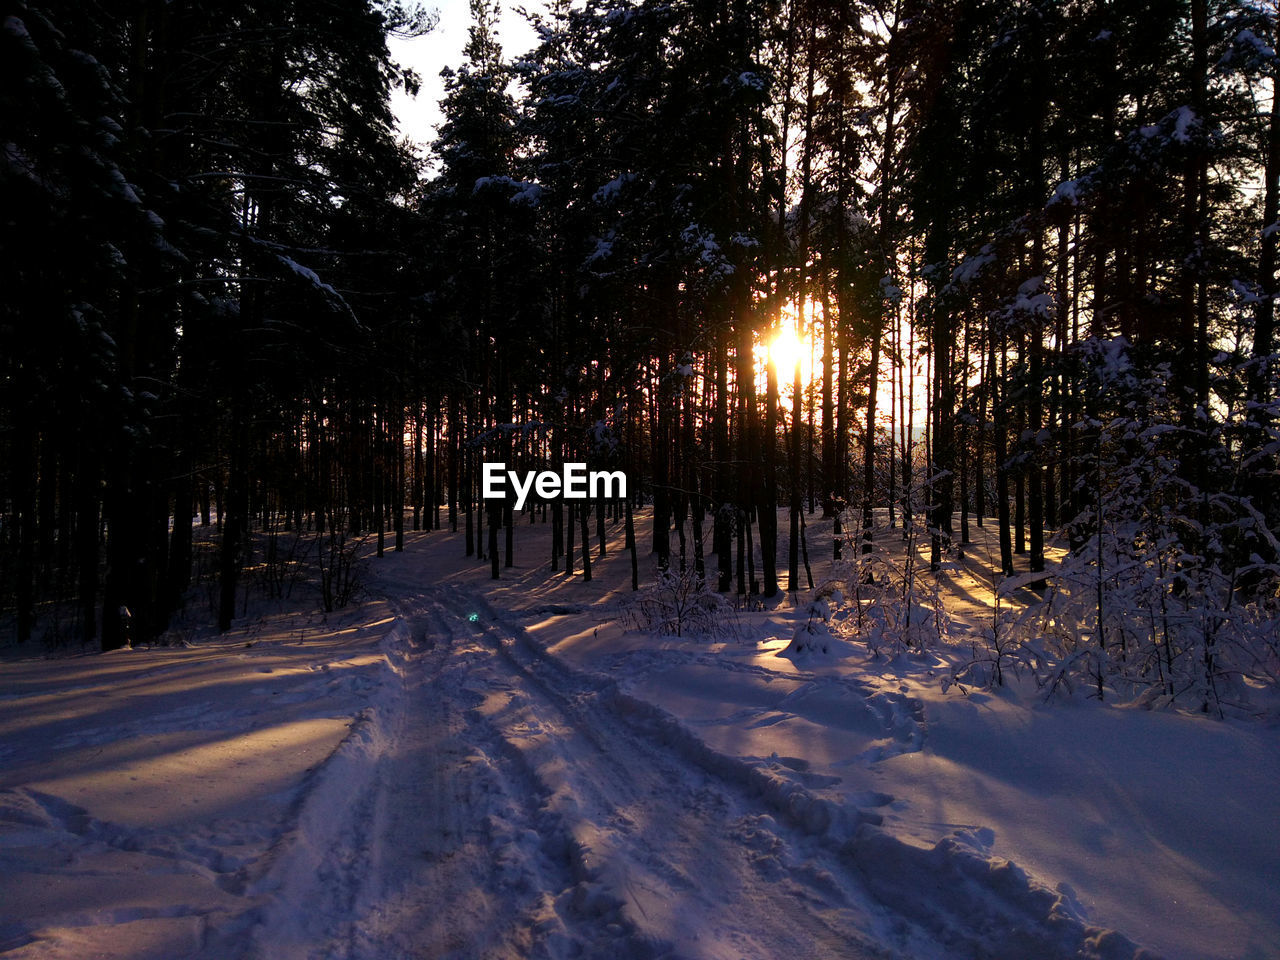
(462, 768)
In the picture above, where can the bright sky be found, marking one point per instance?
(442, 47)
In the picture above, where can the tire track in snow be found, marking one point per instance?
(428, 786)
(669, 847)
(466, 862)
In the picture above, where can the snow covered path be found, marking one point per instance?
(530, 809)
(524, 816)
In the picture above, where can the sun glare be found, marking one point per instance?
(786, 348)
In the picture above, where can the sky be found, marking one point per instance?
(442, 47)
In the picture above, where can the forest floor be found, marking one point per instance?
(460, 767)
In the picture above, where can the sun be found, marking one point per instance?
(786, 350)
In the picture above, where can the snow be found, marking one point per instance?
(1183, 119)
(1246, 292)
(1179, 124)
(1033, 300)
(123, 187)
(813, 642)
(1249, 47)
(1109, 358)
(613, 189)
(891, 292)
(306, 273)
(603, 250)
(521, 192)
(463, 767)
(143, 794)
(972, 265)
(15, 27)
(1067, 192)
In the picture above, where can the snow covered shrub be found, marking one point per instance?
(281, 569)
(341, 571)
(895, 611)
(813, 638)
(680, 605)
(998, 646)
(1149, 606)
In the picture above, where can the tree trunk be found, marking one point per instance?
(1262, 485)
(631, 547)
(586, 543)
(998, 431)
(769, 502)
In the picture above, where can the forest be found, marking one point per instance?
(920, 266)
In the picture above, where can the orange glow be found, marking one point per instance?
(786, 348)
